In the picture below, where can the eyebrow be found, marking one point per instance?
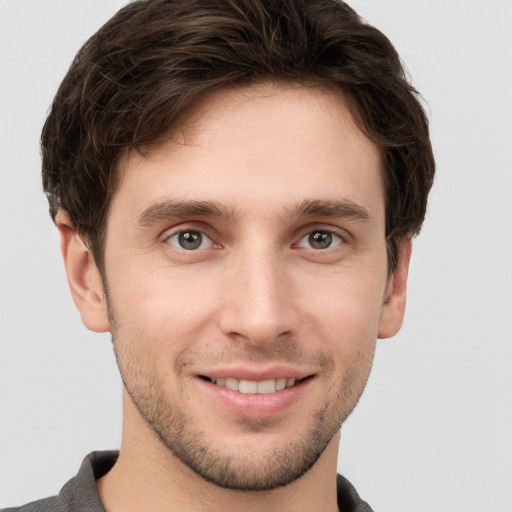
(342, 208)
(173, 209)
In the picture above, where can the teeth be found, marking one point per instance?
(267, 386)
(253, 387)
(232, 384)
(248, 386)
(280, 384)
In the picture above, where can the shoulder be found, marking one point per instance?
(348, 498)
(52, 504)
(80, 493)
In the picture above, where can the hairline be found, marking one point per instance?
(188, 120)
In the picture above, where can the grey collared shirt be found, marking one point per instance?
(81, 495)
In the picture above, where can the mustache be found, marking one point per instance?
(287, 352)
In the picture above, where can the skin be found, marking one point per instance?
(256, 296)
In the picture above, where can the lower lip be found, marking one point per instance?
(256, 405)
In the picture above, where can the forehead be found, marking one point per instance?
(266, 146)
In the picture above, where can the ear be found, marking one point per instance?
(393, 310)
(83, 276)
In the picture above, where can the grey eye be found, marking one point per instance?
(189, 240)
(320, 239)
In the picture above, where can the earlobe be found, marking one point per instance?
(84, 278)
(393, 310)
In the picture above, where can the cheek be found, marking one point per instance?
(347, 307)
(160, 314)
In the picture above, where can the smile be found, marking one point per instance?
(251, 395)
(253, 386)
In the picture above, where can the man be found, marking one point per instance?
(236, 185)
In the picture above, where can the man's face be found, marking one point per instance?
(245, 264)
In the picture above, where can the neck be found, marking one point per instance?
(147, 476)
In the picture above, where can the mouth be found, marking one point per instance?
(253, 387)
(256, 393)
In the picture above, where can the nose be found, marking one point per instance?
(259, 303)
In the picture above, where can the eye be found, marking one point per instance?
(190, 240)
(320, 240)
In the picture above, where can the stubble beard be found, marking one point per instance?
(250, 470)
(241, 471)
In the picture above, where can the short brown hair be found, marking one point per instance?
(133, 80)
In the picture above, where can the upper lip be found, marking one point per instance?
(257, 374)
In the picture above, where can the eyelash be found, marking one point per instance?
(328, 236)
(183, 232)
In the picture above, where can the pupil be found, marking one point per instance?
(190, 239)
(320, 239)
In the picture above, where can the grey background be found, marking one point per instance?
(434, 428)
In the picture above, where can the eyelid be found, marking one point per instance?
(205, 240)
(189, 225)
(183, 228)
(312, 227)
(338, 240)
